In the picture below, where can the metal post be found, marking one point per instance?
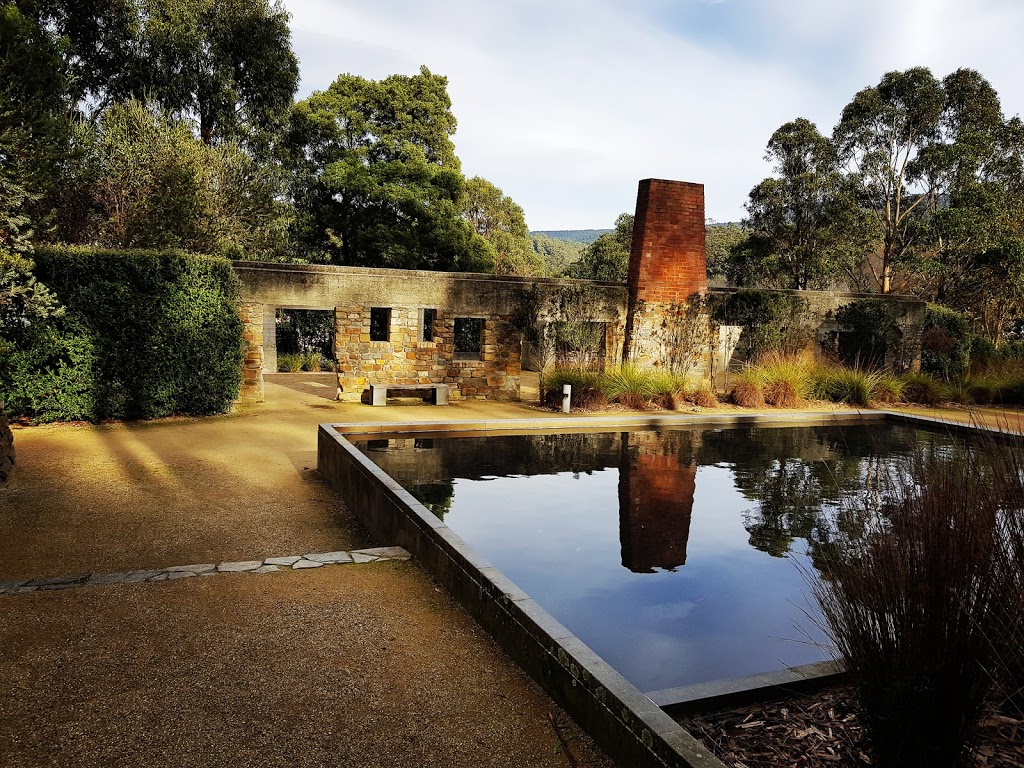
(566, 398)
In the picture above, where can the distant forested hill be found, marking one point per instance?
(584, 236)
(557, 254)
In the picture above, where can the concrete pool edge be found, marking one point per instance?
(627, 723)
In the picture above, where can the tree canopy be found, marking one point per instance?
(805, 227)
(376, 181)
(500, 221)
(607, 258)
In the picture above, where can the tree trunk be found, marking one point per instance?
(6, 450)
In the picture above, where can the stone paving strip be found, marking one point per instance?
(271, 564)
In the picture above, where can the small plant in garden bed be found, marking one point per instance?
(289, 363)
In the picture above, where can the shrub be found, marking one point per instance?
(289, 363)
(946, 343)
(910, 592)
(957, 391)
(703, 397)
(634, 386)
(311, 362)
(144, 334)
(586, 387)
(772, 321)
(871, 335)
(921, 388)
(748, 388)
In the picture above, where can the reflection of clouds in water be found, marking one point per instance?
(667, 611)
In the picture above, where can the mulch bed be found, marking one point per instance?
(822, 729)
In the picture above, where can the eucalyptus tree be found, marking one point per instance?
(500, 221)
(607, 258)
(226, 64)
(881, 136)
(805, 227)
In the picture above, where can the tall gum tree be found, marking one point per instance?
(805, 227)
(879, 138)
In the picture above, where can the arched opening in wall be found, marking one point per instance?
(304, 340)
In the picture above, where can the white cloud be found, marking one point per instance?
(566, 104)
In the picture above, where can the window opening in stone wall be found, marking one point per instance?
(304, 340)
(469, 333)
(580, 343)
(429, 315)
(380, 324)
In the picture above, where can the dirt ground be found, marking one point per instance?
(353, 665)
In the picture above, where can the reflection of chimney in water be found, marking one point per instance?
(655, 503)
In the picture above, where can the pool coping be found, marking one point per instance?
(635, 728)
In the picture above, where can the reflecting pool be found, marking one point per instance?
(678, 555)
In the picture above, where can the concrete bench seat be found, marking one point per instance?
(379, 392)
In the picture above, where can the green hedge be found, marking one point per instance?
(946, 343)
(145, 334)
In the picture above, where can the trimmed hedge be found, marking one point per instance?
(946, 344)
(145, 334)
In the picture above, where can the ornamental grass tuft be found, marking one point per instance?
(919, 597)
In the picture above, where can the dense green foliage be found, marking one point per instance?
(871, 332)
(919, 189)
(556, 255)
(721, 239)
(806, 229)
(772, 321)
(500, 221)
(581, 236)
(607, 258)
(376, 179)
(143, 334)
(946, 343)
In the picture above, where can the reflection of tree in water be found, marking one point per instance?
(437, 497)
(800, 478)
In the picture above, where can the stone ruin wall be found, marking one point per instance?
(405, 358)
(649, 321)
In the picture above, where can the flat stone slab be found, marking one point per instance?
(330, 558)
(202, 568)
(285, 561)
(384, 553)
(240, 567)
(57, 581)
(178, 572)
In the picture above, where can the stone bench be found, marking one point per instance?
(379, 392)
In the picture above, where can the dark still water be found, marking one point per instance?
(673, 554)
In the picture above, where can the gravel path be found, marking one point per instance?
(370, 666)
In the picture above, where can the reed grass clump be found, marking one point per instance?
(786, 379)
(917, 595)
(921, 388)
(289, 363)
(632, 386)
(748, 388)
(587, 389)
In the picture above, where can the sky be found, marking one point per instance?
(567, 104)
